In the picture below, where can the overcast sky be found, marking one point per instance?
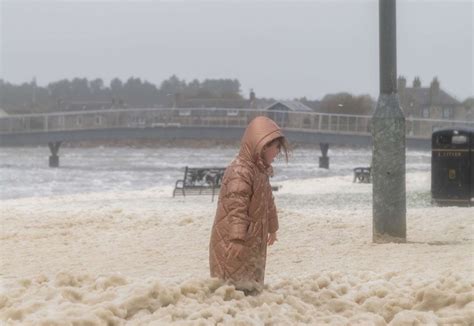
(281, 49)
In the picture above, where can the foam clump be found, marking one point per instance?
(112, 299)
(72, 298)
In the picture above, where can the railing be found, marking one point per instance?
(198, 117)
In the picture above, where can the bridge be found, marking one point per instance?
(199, 123)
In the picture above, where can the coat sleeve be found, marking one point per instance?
(272, 217)
(236, 202)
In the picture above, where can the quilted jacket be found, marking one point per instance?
(246, 210)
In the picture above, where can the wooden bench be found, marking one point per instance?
(199, 181)
(362, 175)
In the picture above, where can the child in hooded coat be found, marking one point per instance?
(246, 220)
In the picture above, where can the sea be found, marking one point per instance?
(24, 171)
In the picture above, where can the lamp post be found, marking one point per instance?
(388, 138)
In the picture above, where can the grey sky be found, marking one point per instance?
(281, 49)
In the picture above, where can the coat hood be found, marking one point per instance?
(259, 132)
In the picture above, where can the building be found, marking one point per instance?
(430, 102)
(281, 113)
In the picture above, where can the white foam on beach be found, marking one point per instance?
(140, 258)
(337, 298)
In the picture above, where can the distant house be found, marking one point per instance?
(280, 112)
(430, 102)
(293, 106)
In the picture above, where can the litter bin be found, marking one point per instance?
(452, 166)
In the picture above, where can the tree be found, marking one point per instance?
(345, 103)
(96, 86)
(172, 86)
(80, 90)
(221, 88)
(192, 89)
(116, 86)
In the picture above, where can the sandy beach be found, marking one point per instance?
(141, 258)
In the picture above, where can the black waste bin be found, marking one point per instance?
(452, 166)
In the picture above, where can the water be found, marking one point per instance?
(24, 172)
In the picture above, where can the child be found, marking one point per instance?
(246, 219)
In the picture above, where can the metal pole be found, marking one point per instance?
(388, 138)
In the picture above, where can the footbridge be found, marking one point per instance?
(52, 129)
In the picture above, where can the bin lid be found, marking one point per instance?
(453, 138)
(450, 130)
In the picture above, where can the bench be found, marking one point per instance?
(362, 175)
(199, 181)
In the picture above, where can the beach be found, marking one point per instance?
(141, 258)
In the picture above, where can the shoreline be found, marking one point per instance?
(177, 143)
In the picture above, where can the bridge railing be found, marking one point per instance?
(207, 117)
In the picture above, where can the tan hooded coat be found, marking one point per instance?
(246, 210)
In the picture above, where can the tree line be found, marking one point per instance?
(69, 94)
(77, 93)
(342, 103)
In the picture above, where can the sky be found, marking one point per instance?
(281, 49)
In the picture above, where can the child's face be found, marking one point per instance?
(270, 152)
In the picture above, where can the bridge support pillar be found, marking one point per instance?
(54, 158)
(324, 160)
